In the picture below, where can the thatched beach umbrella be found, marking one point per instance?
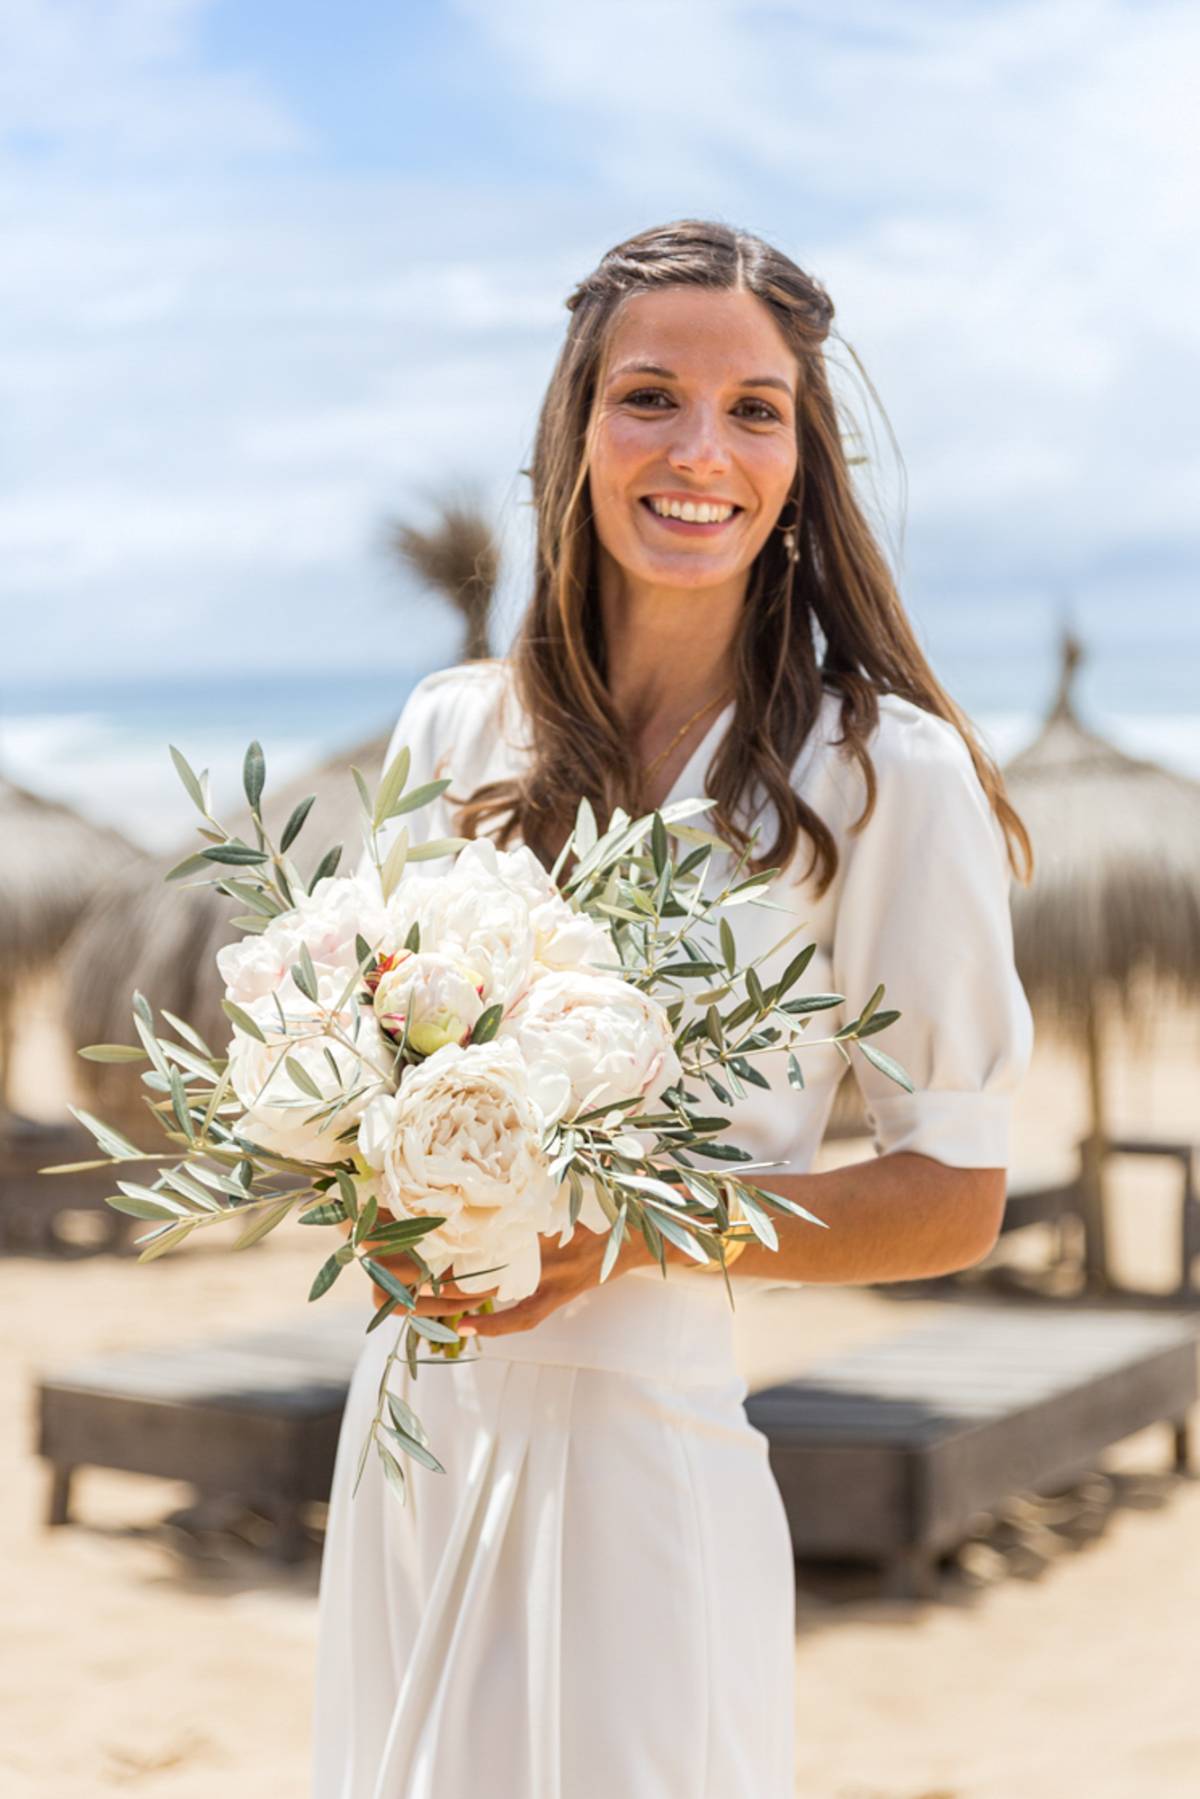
(53, 864)
(1112, 915)
(160, 938)
(460, 559)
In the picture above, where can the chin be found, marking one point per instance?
(690, 567)
(685, 571)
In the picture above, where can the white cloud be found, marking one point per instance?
(224, 358)
(1001, 199)
(118, 78)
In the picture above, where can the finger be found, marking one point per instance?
(407, 1272)
(500, 1324)
(448, 1290)
(456, 1298)
(433, 1306)
(424, 1308)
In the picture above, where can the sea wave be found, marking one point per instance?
(115, 766)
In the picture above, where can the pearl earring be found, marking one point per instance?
(789, 539)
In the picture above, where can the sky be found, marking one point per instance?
(274, 274)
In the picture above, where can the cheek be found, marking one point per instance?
(774, 468)
(620, 449)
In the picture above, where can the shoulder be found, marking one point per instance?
(903, 735)
(454, 713)
(453, 697)
(927, 789)
(460, 687)
(920, 761)
(908, 736)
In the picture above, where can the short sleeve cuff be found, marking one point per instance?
(965, 1130)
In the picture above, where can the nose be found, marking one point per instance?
(698, 448)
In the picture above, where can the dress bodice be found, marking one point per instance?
(919, 902)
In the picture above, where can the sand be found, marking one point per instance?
(1059, 1657)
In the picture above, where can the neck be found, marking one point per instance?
(668, 648)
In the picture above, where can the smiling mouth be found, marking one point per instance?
(706, 527)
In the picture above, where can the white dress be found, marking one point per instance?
(596, 1599)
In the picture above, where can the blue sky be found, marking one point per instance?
(273, 273)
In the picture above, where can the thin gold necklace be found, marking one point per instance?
(684, 729)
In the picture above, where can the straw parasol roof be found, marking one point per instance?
(1114, 904)
(54, 862)
(1111, 919)
(460, 559)
(160, 938)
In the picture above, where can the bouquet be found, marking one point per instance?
(451, 1066)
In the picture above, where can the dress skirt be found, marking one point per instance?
(595, 1600)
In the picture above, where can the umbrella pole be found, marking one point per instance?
(1092, 1159)
(6, 1048)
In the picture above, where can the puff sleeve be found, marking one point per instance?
(924, 907)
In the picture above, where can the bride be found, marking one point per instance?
(595, 1600)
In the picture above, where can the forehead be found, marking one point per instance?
(701, 332)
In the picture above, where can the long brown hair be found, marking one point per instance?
(840, 585)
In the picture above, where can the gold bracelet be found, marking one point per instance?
(733, 1249)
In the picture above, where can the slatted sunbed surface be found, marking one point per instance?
(887, 1452)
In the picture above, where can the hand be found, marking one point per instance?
(449, 1302)
(567, 1271)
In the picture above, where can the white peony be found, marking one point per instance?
(612, 1040)
(257, 965)
(468, 915)
(563, 938)
(461, 1140)
(326, 920)
(439, 997)
(276, 1108)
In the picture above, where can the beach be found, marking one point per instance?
(343, 346)
(1057, 1659)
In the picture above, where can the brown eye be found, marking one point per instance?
(647, 396)
(767, 414)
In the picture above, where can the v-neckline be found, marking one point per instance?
(699, 756)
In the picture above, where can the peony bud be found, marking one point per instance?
(439, 996)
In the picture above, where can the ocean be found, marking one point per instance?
(103, 747)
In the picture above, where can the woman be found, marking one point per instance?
(595, 1600)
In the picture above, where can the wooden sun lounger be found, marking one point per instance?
(1032, 1203)
(35, 1207)
(1028, 1203)
(254, 1415)
(1184, 1155)
(887, 1453)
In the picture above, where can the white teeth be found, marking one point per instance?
(692, 512)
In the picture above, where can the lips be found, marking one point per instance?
(709, 528)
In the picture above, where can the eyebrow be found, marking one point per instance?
(654, 368)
